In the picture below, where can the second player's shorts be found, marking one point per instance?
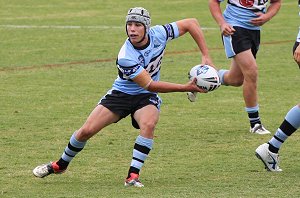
(124, 104)
(242, 40)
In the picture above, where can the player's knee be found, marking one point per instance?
(251, 76)
(148, 126)
(85, 133)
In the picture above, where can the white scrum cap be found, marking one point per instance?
(139, 14)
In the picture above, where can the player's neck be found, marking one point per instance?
(143, 44)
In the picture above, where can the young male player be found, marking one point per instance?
(134, 92)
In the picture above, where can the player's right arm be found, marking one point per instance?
(140, 76)
(192, 26)
(216, 12)
(144, 80)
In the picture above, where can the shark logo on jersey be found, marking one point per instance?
(247, 3)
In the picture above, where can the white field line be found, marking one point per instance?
(58, 27)
(71, 27)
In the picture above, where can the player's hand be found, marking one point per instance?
(227, 29)
(206, 60)
(194, 87)
(260, 20)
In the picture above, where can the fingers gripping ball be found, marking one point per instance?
(207, 77)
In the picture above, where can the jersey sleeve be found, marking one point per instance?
(166, 32)
(172, 31)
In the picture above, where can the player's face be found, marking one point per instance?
(136, 33)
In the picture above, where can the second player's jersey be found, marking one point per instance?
(240, 12)
(132, 61)
(254, 5)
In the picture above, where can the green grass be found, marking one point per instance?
(51, 78)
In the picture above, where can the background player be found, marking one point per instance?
(240, 28)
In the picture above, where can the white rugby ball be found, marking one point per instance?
(207, 77)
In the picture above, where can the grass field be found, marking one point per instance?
(57, 58)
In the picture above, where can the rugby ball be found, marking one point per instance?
(207, 77)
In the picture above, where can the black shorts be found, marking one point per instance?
(294, 49)
(124, 104)
(242, 40)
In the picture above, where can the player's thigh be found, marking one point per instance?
(246, 62)
(235, 71)
(235, 76)
(99, 118)
(147, 118)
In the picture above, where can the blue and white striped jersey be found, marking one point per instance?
(240, 12)
(131, 61)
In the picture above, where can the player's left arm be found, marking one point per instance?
(265, 17)
(192, 26)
